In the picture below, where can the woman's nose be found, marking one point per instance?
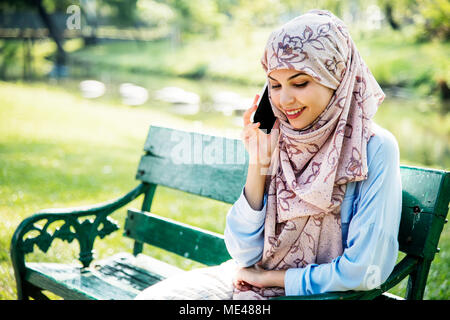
(287, 99)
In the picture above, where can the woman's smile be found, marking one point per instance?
(294, 113)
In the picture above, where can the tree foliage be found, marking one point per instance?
(429, 17)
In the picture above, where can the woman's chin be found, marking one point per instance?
(297, 125)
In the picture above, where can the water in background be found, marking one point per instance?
(421, 129)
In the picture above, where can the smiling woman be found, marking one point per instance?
(301, 98)
(324, 214)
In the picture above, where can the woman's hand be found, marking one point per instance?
(258, 277)
(259, 145)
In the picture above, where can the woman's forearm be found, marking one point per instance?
(276, 278)
(259, 277)
(254, 186)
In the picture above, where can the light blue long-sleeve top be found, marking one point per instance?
(370, 218)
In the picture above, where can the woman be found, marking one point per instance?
(324, 214)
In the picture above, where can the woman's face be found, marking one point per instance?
(298, 96)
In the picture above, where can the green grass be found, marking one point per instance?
(59, 150)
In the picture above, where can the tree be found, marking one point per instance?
(42, 6)
(430, 17)
(201, 16)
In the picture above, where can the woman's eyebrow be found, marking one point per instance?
(291, 77)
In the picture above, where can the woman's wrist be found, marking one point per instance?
(258, 161)
(254, 187)
(276, 278)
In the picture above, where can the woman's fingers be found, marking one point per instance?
(250, 131)
(256, 99)
(242, 286)
(248, 114)
(238, 281)
(259, 145)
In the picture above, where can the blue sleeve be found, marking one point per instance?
(244, 232)
(372, 247)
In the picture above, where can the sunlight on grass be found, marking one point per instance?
(61, 151)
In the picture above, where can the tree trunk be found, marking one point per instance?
(55, 34)
(388, 11)
(89, 11)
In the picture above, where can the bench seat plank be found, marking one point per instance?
(120, 277)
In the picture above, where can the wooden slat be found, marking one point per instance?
(401, 271)
(70, 283)
(421, 188)
(414, 231)
(116, 278)
(386, 296)
(194, 243)
(424, 208)
(208, 166)
(54, 278)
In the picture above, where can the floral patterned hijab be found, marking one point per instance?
(310, 168)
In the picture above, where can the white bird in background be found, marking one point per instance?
(185, 102)
(92, 89)
(132, 94)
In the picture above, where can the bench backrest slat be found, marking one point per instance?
(425, 199)
(193, 243)
(208, 166)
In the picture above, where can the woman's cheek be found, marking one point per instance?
(276, 100)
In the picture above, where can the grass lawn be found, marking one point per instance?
(58, 150)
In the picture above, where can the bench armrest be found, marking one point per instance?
(84, 232)
(401, 270)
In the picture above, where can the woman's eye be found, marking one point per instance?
(298, 85)
(301, 84)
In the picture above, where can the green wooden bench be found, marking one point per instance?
(212, 167)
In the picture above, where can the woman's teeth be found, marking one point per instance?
(294, 114)
(291, 113)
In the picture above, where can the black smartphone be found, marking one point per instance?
(264, 113)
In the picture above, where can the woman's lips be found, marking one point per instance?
(295, 113)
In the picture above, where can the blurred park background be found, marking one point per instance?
(81, 81)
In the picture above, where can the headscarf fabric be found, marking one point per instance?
(310, 168)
